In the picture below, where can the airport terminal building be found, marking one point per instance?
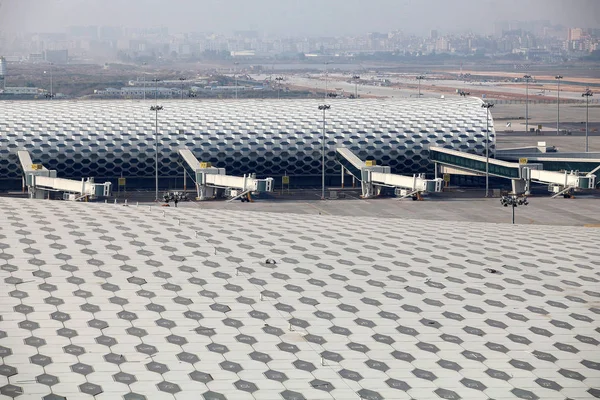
(111, 139)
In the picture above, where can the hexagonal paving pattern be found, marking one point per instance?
(136, 305)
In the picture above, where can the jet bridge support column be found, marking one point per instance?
(184, 180)
(520, 186)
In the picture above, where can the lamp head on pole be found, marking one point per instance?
(420, 77)
(558, 77)
(587, 93)
(487, 105)
(324, 107)
(156, 108)
(527, 77)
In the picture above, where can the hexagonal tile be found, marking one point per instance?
(168, 387)
(40, 359)
(245, 386)
(231, 366)
(157, 367)
(34, 341)
(82, 369)
(348, 374)
(200, 376)
(291, 395)
(7, 370)
(368, 394)
(210, 395)
(125, 378)
(47, 379)
(11, 391)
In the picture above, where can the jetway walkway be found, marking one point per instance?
(374, 177)
(522, 175)
(208, 179)
(40, 182)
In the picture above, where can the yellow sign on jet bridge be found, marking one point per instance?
(122, 181)
(285, 180)
(446, 177)
(523, 161)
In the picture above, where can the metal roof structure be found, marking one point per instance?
(110, 302)
(109, 139)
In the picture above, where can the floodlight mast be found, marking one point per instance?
(326, 78)
(156, 109)
(182, 81)
(487, 106)
(420, 78)
(279, 79)
(558, 78)
(527, 78)
(235, 74)
(324, 108)
(356, 78)
(587, 94)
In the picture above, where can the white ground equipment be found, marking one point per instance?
(40, 182)
(209, 179)
(374, 177)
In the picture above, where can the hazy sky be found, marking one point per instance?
(294, 17)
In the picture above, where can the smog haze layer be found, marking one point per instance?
(294, 17)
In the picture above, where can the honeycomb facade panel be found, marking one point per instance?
(107, 139)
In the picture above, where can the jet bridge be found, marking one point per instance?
(374, 177)
(40, 182)
(209, 179)
(522, 175)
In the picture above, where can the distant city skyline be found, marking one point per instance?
(295, 17)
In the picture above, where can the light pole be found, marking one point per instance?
(527, 78)
(323, 108)
(487, 107)
(326, 78)
(587, 94)
(182, 80)
(419, 78)
(278, 79)
(156, 109)
(356, 78)
(51, 95)
(558, 78)
(156, 89)
(235, 75)
(144, 80)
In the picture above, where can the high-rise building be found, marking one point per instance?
(574, 34)
(442, 45)
(433, 34)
